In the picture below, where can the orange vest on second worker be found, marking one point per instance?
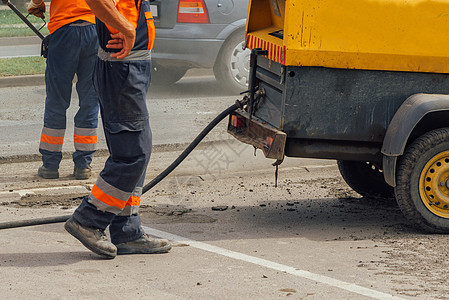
(138, 13)
(63, 12)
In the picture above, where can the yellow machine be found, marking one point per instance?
(360, 81)
(395, 35)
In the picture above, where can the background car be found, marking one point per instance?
(201, 34)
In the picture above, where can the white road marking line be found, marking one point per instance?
(350, 287)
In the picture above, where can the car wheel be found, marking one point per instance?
(365, 178)
(163, 75)
(232, 66)
(422, 182)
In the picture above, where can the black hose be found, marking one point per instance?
(32, 222)
(190, 148)
(152, 183)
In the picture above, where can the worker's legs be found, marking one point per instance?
(122, 88)
(86, 119)
(62, 62)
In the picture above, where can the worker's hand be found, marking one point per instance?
(37, 9)
(120, 41)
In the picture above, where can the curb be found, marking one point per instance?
(18, 81)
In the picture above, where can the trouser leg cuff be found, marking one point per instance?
(88, 215)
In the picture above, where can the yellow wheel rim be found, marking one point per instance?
(434, 185)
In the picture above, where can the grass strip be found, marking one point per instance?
(8, 17)
(22, 66)
(12, 32)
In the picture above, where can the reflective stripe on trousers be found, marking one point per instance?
(52, 139)
(85, 139)
(108, 198)
(133, 203)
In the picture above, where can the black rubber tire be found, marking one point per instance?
(231, 68)
(365, 178)
(410, 167)
(162, 75)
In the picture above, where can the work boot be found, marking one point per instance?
(144, 245)
(81, 174)
(48, 173)
(93, 238)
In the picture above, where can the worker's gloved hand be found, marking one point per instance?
(37, 9)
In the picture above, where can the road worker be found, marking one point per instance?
(72, 50)
(125, 31)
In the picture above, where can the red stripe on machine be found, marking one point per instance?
(275, 52)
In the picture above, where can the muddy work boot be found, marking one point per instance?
(144, 245)
(81, 174)
(48, 173)
(94, 239)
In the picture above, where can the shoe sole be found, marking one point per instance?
(48, 176)
(82, 175)
(75, 233)
(159, 250)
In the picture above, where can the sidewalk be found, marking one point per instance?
(10, 47)
(19, 40)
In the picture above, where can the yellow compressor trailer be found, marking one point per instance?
(360, 81)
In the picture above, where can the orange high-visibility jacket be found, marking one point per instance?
(138, 13)
(63, 12)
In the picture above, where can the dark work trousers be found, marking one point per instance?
(72, 50)
(122, 88)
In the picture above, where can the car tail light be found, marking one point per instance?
(192, 11)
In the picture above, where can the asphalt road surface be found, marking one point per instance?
(236, 235)
(177, 114)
